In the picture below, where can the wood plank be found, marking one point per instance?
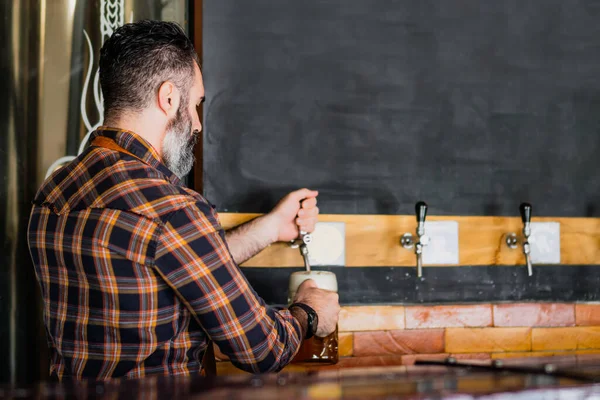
(373, 240)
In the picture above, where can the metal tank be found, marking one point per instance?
(50, 100)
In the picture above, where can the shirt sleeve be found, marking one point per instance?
(193, 258)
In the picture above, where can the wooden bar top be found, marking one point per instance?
(522, 378)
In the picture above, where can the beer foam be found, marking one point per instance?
(324, 280)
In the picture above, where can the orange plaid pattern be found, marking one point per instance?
(136, 275)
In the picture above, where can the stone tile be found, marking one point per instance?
(484, 340)
(575, 338)
(413, 341)
(448, 316)
(534, 314)
(587, 314)
(371, 318)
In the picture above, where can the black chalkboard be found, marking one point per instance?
(442, 285)
(472, 106)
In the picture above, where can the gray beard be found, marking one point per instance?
(178, 145)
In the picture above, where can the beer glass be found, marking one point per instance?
(316, 349)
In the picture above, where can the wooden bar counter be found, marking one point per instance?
(557, 377)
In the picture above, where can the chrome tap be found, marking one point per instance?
(525, 209)
(408, 241)
(301, 243)
(512, 239)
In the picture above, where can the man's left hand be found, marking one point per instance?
(296, 212)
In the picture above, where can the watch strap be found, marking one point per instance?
(311, 316)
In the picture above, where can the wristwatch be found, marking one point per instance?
(312, 319)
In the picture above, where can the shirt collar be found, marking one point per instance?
(138, 146)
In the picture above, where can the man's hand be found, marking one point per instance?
(296, 210)
(280, 225)
(324, 302)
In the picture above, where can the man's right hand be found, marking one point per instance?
(324, 302)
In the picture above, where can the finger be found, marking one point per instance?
(309, 213)
(309, 203)
(302, 222)
(302, 194)
(308, 228)
(307, 220)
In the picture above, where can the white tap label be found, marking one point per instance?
(443, 243)
(545, 243)
(328, 244)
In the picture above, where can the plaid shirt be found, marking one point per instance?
(136, 275)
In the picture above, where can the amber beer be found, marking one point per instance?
(316, 349)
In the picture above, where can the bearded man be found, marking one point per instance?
(136, 273)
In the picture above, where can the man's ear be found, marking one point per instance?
(168, 99)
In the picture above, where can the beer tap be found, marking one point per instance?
(303, 240)
(408, 241)
(512, 239)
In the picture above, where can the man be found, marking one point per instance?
(136, 273)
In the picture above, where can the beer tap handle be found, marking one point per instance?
(421, 213)
(525, 210)
(512, 240)
(408, 240)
